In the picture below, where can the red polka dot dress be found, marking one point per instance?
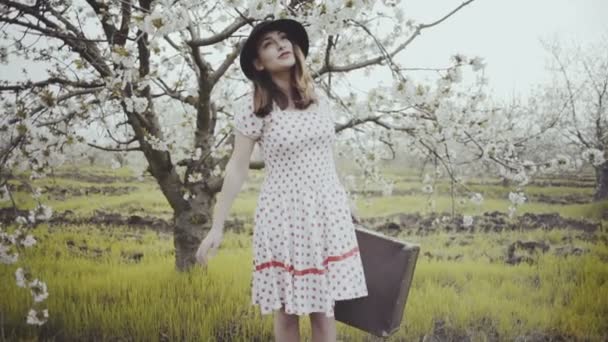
(305, 252)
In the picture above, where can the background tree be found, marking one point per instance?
(148, 74)
(581, 80)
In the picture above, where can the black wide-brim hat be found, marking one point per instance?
(294, 30)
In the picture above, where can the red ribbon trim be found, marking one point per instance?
(313, 270)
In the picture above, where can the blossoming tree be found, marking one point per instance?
(582, 82)
(117, 63)
(159, 78)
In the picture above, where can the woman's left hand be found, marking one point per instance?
(353, 214)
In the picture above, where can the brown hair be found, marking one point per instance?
(265, 90)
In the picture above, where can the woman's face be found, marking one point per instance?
(275, 53)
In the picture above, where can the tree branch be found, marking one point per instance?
(111, 149)
(215, 77)
(53, 80)
(376, 60)
(225, 33)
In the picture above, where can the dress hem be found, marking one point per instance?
(329, 313)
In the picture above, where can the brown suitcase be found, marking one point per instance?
(389, 266)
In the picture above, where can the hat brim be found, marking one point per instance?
(293, 28)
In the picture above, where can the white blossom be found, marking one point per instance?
(37, 317)
(28, 241)
(387, 189)
(39, 290)
(156, 143)
(490, 150)
(427, 188)
(477, 198)
(198, 152)
(477, 63)
(123, 57)
(12, 238)
(170, 17)
(547, 167)
(20, 220)
(404, 90)
(517, 198)
(7, 258)
(195, 177)
(459, 59)
(467, 221)
(511, 211)
(521, 178)
(455, 74)
(40, 213)
(21, 277)
(140, 104)
(36, 192)
(35, 175)
(4, 194)
(129, 104)
(529, 166)
(114, 164)
(217, 171)
(593, 156)
(27, 2)
(221, 151)
(562, 161)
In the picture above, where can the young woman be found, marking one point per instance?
(305, 251)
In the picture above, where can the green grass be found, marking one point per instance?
(389, 205)
(108, 297)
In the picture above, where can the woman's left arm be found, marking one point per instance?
(353, 212)
(353, 206)
(351, 203)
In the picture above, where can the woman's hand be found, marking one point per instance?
(209, 246)
(353, 213)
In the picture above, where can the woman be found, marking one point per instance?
(305, 250)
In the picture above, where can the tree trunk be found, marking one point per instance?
(601, 182)
(191, 226)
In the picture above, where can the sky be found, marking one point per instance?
(506, 34)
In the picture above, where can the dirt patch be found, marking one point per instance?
(494, 221)
(105, 219)
(515, 252)
(395, 192)
(546, 183)
(57, 192)
(81, 249)
(413, 223)
(542, 198)
(529, 248)
(554, 220)
(567, 199)
(92, 178)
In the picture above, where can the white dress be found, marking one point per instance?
(305, 251)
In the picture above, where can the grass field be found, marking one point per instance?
(462, 285)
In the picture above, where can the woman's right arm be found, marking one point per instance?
(236, 173)
(237, 169)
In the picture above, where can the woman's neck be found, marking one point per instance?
(283, 82)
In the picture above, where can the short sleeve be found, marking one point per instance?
(246, 122)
